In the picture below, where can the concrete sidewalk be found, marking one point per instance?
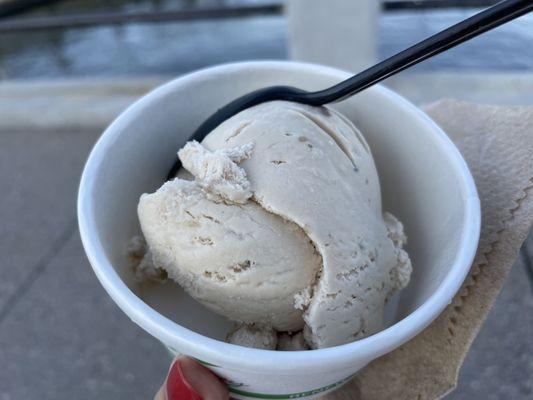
(61, 337)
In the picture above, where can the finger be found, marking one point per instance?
(189, 380)
(160, 395)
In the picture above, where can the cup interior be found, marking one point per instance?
(421, 182)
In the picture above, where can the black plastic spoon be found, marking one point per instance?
(482, 22)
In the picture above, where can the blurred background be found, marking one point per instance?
(68, 67)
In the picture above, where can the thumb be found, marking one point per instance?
(189, 380)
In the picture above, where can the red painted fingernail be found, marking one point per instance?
(177, 386)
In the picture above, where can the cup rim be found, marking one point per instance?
(240, 357)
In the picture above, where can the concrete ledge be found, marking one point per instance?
(483, 88)
(69, 105)
(91, 104)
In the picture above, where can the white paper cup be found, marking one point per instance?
(424, 180)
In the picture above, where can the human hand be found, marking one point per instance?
(189, 380)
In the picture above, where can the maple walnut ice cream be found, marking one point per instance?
(275, 222)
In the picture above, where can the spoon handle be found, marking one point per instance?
(484, 21)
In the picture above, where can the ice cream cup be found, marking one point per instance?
(424, 180)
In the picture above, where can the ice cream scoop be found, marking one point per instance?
(241, 261)
(282, 225)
